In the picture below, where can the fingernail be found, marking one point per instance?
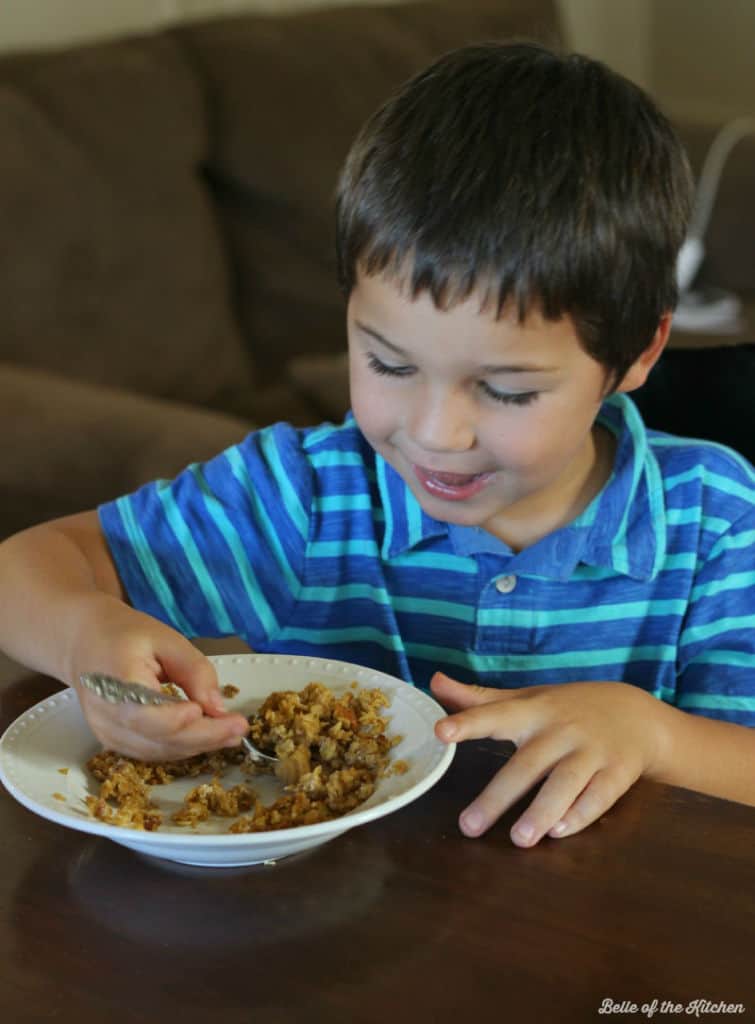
(558, 829)
(217, 702)
(448, 730)
(472, 822)
(523, 831)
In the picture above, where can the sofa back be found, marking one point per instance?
(112, 269)
(166, 200)
(286, 96)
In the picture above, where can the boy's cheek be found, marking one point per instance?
(374, 411)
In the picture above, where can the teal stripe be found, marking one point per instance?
(619, 547)
(723, 484)
(346, 592)
(721, 656)
(413, 518)
(716, 701)
(347, 635)
(412, 605)
(685, 516)
(191, 552)
(736, 581)
(733, 542)
(241, 475)
(438, 562)
(725, 625)
(658, 518)
(150, 567)
(686, 562)
(330, 459)
(380, 466)
(322, 433)
(587, 517)
(335, 548)
(431, 606)
(581, 616)
(696, 473)
(291, 499)
(342, 503)
(249, 581)
(541, 662)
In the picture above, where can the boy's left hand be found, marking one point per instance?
(589, 741)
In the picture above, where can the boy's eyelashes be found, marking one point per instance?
(379, 367)
(505, 397)
(509, 397)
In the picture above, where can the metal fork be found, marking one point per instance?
(118, 691)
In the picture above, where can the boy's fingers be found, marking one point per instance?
(604, 789)
(186, 666)
(542, 756)
(558, 792)
(196, 737)
(463, 695)
(501, 719)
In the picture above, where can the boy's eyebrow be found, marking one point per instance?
(488, 368)
(379, 337)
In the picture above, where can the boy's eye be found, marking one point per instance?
(384, 369)
(509, 397)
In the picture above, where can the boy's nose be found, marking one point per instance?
(441, 423)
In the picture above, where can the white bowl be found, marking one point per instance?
(44, 752)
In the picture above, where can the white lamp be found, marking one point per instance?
(711, 309)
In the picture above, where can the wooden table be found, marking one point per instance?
(401, 920)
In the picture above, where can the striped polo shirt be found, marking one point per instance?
(307, 542)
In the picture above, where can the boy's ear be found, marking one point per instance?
(638, 372)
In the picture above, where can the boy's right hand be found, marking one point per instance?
(119, 641)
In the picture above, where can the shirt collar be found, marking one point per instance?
(406, 524)
(623, 529)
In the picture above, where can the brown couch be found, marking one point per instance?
(167, 276)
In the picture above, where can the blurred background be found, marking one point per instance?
(694, 56)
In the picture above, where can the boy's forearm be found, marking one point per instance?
(47, 589)
(706, 755)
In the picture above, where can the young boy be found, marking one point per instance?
(495, 510)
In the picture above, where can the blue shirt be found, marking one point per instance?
(308, 542)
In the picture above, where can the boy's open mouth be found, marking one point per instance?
(451, 486)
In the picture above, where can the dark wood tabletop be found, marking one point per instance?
(400, 920)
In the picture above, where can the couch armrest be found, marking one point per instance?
(68, 445)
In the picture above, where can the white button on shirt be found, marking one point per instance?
(505, 584)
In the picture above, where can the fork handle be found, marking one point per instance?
(118, 691)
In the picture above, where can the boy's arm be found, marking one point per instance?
(63, 612)
(706, 755)
(52, 578)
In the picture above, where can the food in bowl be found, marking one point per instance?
(333, 750)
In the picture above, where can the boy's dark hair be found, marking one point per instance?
(543, 179)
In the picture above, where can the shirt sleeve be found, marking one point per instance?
(717, 645)
(220, 549)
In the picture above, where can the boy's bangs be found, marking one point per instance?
(541, 278)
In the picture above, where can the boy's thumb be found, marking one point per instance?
(188, 668)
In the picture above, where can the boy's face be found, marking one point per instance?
(489, 422)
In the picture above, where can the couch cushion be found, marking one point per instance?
(111, 264)
(286, 95)
(68, 445)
